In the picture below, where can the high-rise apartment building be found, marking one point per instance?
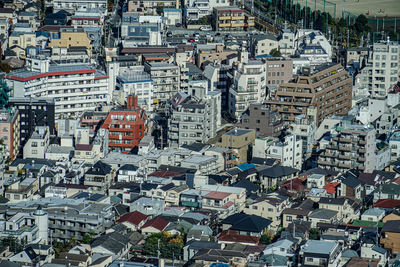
(249, 84)
(382, 70)
(195, 117)
(327, 87)
(166, 79)
(126, 126)
(352, 147)
(33, 112)
(75, 88)
(9, 130)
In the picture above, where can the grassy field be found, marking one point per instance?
(370, 8)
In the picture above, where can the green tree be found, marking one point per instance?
(314, 234)
(267, 238)
(88, 238)
(170, 246)
(160, 9)
(275, 53)
(361, 24)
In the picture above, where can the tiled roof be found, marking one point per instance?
(157, 223)
(331, 187)
(217, 195)
(234, 236)
(135, 218)
(387, 203)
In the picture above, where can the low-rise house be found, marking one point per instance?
(128, 173)
(272, 177)
(387, 191)
(114, 244)
(193, 246)
(316, 181)
(133, 220)
(270, 207)
(208, 256)
(72, 259)
(373, 214)
(98, 177)
(199, 233)
(246, 224)
(26, 257)
(390, 236)
(375, 252)
(320, 253)
(300, 212)
(22, 190)
(283, 247)
(237, 195)
(350, 185)
(148, 206)
(322, 215)
(154, 225)
(348, 209)
(173, 195)
(233, 237)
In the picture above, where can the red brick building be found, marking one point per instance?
(126, 127)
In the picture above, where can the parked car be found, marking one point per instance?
(169, 33)
(205, 28)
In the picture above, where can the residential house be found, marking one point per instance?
(246, 224)
(387, 191)
(270, 207)
(375, 252)
(351, 186)
(299, 212)
(320, 253)
(133, 220)
(373, 214)
(348, 209)
(114, 244)
(390, 236)
(148, 206)
(128, 173)
(208, 256)
(272, 177)
(233, 237)
(322, 215)
(99, 177)
(155, 225)
(193, 246)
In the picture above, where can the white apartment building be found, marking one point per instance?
(288, 151)
(286, 42)
(382, 70)
(196, 9)
(249, 85)
(304, 128)
(75, 88)
(37, 144)
(165, 78)
(75, 5)
(136, 82)
(194, 118)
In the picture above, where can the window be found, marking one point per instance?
(289, 218)
(34, 152)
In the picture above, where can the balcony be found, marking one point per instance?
(345, 148)
(326, 162)
(361, 150)
(361, 159)
(345, 165)
(191, 204)
(344, 157)
(362, 142)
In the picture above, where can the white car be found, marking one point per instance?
(205, 28)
